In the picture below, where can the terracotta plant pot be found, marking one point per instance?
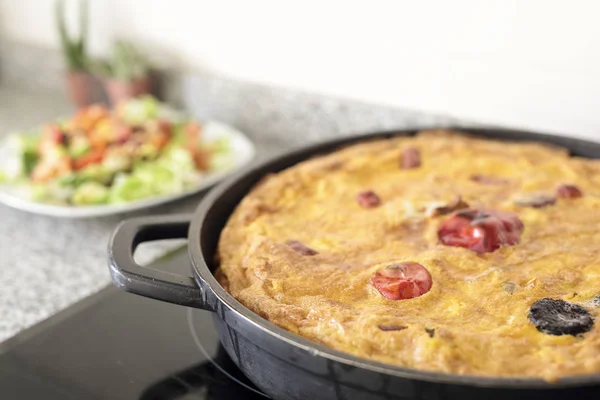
(80, 87)
(122, 90)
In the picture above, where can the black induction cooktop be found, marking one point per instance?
(115, 345)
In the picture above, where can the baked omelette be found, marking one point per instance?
(440, 252)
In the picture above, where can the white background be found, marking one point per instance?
(531, 63)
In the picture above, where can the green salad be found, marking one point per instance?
(140, 149)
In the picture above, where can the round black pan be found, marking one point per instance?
(285, 365)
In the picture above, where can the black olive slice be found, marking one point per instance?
(558, 317)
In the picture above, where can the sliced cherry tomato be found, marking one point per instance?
(481, 231)
(402, 281)
(92, 157)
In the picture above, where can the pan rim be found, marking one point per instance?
(203, 273)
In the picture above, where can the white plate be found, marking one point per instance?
(241, 148)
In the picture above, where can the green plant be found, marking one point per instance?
(74, 48)
(126, 63)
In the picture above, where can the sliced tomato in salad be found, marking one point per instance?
(93, 157)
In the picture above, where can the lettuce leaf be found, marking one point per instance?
(18, 156)
(137, 111)
(128, 187)
(90, 193)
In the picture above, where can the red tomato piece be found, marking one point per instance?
(92, 157)
(402, 281)
(481, 231)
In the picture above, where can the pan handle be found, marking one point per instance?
(131, 277)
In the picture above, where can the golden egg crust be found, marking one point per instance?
(474, 319)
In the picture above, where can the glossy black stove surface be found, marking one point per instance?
(114, 345)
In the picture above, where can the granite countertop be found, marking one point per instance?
(47, 264)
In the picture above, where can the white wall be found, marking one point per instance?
(531, 63)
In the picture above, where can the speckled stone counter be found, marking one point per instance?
(47, 264)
